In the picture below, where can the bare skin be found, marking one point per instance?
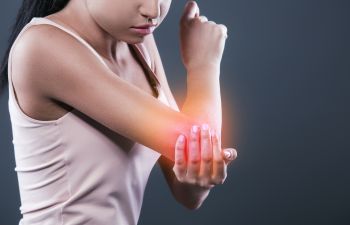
(49, 92)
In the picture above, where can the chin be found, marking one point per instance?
(135, 39)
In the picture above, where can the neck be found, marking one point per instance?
(78, 17)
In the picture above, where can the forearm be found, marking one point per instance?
(203, 100)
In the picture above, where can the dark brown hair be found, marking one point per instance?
(28, 10)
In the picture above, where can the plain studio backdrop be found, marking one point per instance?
(285, 78)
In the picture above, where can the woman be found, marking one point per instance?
(91, 109)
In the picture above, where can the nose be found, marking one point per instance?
(150, 9)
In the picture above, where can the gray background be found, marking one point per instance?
(285, 88)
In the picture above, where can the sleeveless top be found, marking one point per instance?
(73, 170)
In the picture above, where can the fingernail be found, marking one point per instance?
(205, 126)
(227, 154)
(194, 129)
(181, 138)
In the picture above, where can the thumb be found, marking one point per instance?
(191, 10)
(229, 154)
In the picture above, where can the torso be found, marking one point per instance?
(45, 108)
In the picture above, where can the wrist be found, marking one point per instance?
(210, 69)
(203, 87)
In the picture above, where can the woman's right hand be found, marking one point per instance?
(202, 41)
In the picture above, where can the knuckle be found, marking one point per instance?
(202, 176)
(210, 22)
(180, 178)
(219, 161)
(203, 183)
(207, 159)
(210, 186)
(205, 135)
(193, 141)
(223, 32)
(222, 27)
(203, 18)
(214, 181)
(191, 180)
(178, 171)
(194, 161)
(193, 138)
(180, 162)
(217, 180)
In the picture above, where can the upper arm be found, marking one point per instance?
(65, 70)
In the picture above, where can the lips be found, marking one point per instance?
(144, 29)
(145, 26)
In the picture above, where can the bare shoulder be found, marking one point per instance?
(51, 70)
(38, 42)
(41, 55)
(28, 50)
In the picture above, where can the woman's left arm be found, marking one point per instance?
(187, 183)
(182, 177)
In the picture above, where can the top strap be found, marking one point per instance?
(43, 20)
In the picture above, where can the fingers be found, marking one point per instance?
(193, 166)
(203, 18)
(201, 160)
(219, 166)
(191, 10)
(223, 30)
(206, 155)
(180, 160)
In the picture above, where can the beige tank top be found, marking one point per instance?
(73, 170)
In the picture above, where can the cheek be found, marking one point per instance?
(109, 15)
(164, 9)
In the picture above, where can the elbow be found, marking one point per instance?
(191, 202)
(191, 206)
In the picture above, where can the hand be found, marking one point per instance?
(204, 163)
(202, 41)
